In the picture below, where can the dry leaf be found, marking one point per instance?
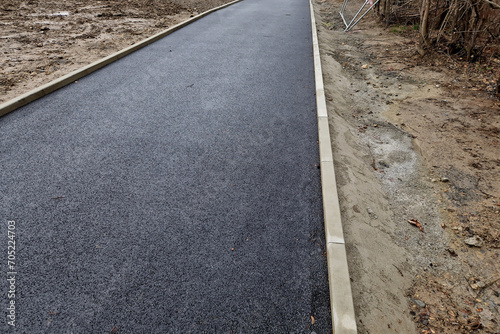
(417, 224)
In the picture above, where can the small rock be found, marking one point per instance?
(475, 241)
(383, 164)
(433, 180)
(445, 179)
(437, 86)
(364, 67)
(371, 213)
(61, 14)
(419, 303)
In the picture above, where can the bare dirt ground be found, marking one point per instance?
(417, 146)
(44, 40)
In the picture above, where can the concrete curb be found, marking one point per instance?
(343, 316)
(48, 88)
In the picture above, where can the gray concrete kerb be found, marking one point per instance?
(54, 85)
(342, 307)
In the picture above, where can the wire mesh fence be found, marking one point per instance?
(354, 10)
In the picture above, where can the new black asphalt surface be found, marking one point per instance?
(175, 190)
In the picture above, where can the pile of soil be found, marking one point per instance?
(417, 142)
(44, 40)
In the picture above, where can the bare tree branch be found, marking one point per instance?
(492, 4)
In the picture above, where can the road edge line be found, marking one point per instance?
(341, 302)
(65, 80)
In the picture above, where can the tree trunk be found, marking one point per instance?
(387, 11)
(424, 27)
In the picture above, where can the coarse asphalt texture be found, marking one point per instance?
(175, 190)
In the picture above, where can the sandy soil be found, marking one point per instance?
(417, 144)
(44, 40)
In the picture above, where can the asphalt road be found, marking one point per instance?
(173, 191)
